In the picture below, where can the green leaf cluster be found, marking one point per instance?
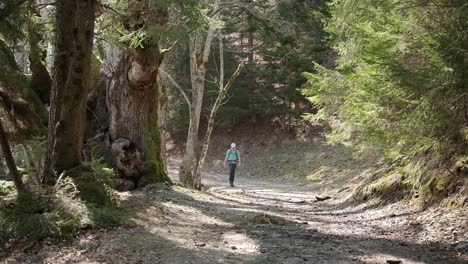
(141, 24)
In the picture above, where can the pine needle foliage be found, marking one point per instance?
(134, 24)
(400, 83)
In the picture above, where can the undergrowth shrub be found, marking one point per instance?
(82, 198)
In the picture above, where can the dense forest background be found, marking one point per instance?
(92, 93)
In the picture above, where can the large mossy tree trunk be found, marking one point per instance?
(72, 62)
(133, 97)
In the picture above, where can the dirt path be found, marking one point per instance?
(255, 222)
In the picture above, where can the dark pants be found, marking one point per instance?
(232, 171)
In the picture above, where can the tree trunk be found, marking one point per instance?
(133, 96)
(189, 158)
(11, 162)
(200, 49)
(184, 164)
(223, 89)
(40, 78)
(201, 161)
(3, 175)
(162, 112)
(197, 74)
(72, 62)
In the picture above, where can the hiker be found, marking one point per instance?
(233, 159)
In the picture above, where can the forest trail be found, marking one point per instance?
(356, 100)
(255, 222)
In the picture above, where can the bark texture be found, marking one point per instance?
(74, 39)
(131, 95)
(133, 98)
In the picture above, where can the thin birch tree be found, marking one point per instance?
(200, 50)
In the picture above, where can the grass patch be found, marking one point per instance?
(390, 187)
(425, 186)
(82, 199)
(36, 217)
(436, 188)
(7, 189)
(93, 188)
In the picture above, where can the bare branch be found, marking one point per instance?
(169, 77)
(223, 89)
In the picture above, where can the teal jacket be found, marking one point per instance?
(232, 156)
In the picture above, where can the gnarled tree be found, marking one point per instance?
(133, 95)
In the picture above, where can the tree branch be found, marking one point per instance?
(169, 77)
(209, 37)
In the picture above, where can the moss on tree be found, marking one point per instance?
(154, 164)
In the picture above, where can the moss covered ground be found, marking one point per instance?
(81, 199)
